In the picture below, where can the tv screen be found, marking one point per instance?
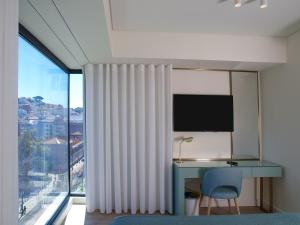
(202, 113)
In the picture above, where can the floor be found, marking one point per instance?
(101, 219)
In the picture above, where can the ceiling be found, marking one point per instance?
(74, 30)
(281, 18)
(92, 31)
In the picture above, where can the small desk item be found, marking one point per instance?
(196, 169)
(232, 163)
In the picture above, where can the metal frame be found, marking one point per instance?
(76, 72)
(209, 69)
(41, 47)
(231, 133)
(259, 117)
(29, 37)
(59, 210)
(215, 159)
(69, 146)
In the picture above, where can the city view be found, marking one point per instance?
(50, 131)
(42, 139)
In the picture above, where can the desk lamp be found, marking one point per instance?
(183, 139)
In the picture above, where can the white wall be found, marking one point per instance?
(281, 124)
(205, 144)
(195, 46)
(208, 144)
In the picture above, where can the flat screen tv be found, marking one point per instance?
(192, 113)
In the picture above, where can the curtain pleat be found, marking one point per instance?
(140, 87)
(116, 140)
(128, 132)
(132, 142)
(107, 141)
(123, 135)
(161, 136)
(100, 133)
(91, 133)
(152, 140)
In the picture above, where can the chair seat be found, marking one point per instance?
(224, 193)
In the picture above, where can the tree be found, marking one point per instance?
(38, 157)
(78, 110)
(38, 99)
(48, 160)
(26, 145)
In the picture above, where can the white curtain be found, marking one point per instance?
(128, 133)
(8, 112)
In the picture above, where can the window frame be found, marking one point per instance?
(30, 38)
(72, 194)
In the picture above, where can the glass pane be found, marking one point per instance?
(43, 136)
(245, 97)
(76, 134)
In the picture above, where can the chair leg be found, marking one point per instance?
(209, 206)
(229, 205)
(236, 201)
(217, 203)
(200, 201)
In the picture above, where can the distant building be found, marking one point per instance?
(26, 107)
(33, 119)
(44, 129)
(76, 137)
(59, 128)
(77, 152)
(24, 126)
(56, 153)
(76, 126)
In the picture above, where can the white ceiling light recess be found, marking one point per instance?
(237, 3)
(263, 4)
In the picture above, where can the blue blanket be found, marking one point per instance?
(251, 219)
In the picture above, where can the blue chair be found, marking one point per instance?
(221, 183)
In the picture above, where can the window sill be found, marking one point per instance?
(62, 217)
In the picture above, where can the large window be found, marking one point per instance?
(76, 134)
(43, 136)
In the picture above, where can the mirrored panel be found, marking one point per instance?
(245, 138)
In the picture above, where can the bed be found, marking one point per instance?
(250, 219)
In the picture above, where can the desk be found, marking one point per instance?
(195, 169)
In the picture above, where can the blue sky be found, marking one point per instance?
(76, 90)
(40, 76)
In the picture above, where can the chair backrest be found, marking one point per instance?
(218, 177)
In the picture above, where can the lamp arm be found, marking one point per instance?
(179, 155)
